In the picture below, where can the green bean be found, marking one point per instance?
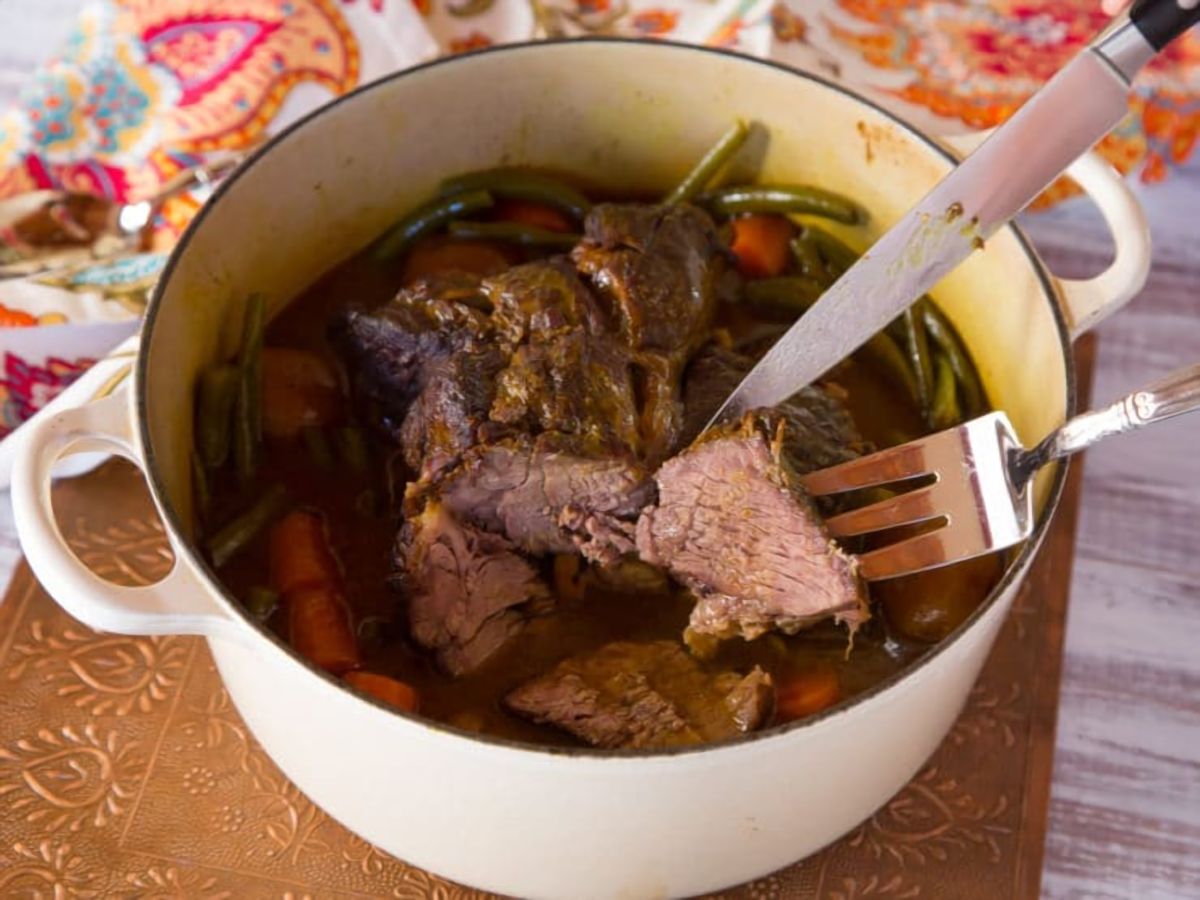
(239, 532)
(513, 233)
(943, 333)
(200, 487)
(710, 164)
(916, 342)
(247, 414)
(427, 219)
(218, 392)
(887, 356)
(944, 412)
(318, 447)
(520, 184)
(807, 256)
(781, 198)
(838, 255)
(245, 448)
(794, 294)
(261, 602)
(352, 448)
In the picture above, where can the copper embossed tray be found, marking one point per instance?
(126, 772)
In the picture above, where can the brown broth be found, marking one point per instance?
(363, 541)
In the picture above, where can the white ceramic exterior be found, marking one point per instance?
(518, 820)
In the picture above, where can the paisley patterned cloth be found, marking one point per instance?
(146, 89)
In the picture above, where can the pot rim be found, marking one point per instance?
(1014, 569)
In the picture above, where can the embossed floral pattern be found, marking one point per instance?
(170, 883)
(103, 675)
(991, 713)
(133, 552)
(873, 886)
(47, 869)
(199, 780)
(931, 818)
(67, 778)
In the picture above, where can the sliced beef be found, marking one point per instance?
(644, 695)
(820, 431)
(541, 300)
(732, 525)
(659, 267)
(468, 591)
(391, 350)
(549, 499)
(573, 384)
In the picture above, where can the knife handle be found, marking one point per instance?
(1161, 21)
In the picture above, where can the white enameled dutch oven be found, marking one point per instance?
(525, 820)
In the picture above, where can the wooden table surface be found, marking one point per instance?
(1125, 805)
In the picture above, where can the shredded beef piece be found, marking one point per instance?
(550, 500)
(469, 591)
(644, 695)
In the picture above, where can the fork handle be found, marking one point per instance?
(1170, 396)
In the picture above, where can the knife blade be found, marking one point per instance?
(1074, 110)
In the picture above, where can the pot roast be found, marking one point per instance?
(488, 431)
(548, 411)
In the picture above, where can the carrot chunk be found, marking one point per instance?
(437, 256)
(389, 690)
(304, 572)
(536, 215)
(299, 554)
(760, 243)
(806, 692)
(319, 628)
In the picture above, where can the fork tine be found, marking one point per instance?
(925, 551)
(905, 509)
(893, 464)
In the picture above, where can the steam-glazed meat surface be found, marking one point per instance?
(451, 413)
(732, 524)
(391, 348)
(571, 384)
(660, 269)
(644, 696)
(542, 300)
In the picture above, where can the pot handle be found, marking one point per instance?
(1089, 301)
(178, 604)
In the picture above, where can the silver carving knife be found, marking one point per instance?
(1073, 111)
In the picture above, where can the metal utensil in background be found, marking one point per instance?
(981, 479)
(1073, 111)
(47, 231)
